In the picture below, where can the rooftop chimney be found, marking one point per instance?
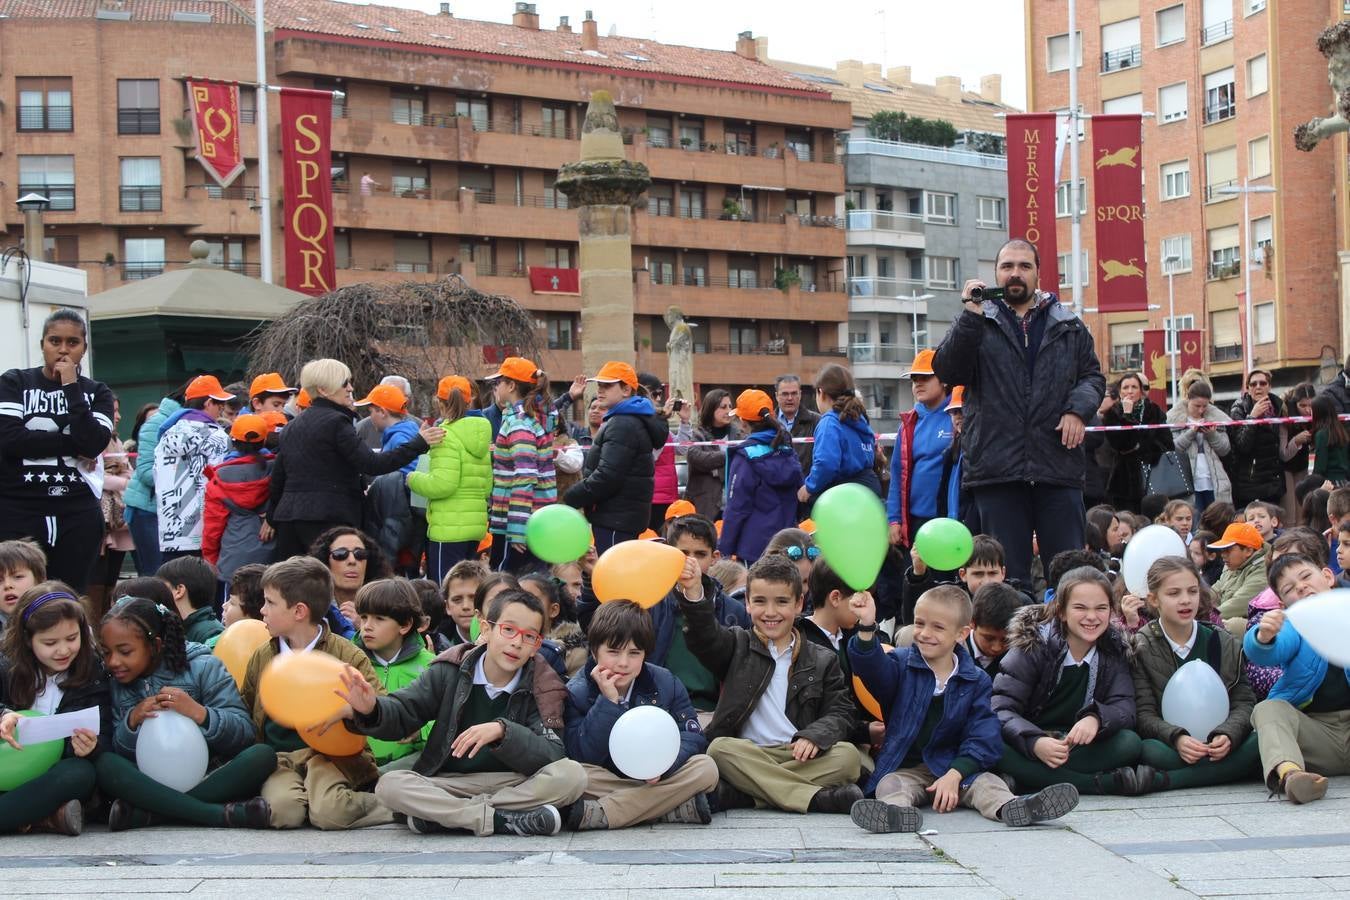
(526, 16)
(850, 72)
(762, 48)
(872, 71)
(899, 74)
(590, 32)
(949, 87)
(445, 9)
(745, 45)
(563, 24)
(991, 88)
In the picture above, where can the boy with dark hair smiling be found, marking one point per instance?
(494, 761)
(781, 727)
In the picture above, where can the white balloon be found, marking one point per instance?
(644, 742)
(171, 749)
(1144, 549)
(1195, 699)
(1324, 622)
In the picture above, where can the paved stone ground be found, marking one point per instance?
(1220, 842)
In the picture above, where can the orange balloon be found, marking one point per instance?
(237, 645)
(865, 698)
(335, 742)
(641, 571)
(298, 688)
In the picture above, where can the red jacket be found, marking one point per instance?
(667, 488)
(902, 467)
(236, 485)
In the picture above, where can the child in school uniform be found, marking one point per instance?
(616, 679)
(389, 610)
(22, 565)
(781, 727)
(942, 736)
(459, 588)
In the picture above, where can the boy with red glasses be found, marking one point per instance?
(494, 761)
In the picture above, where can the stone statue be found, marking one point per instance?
(1334, 44)
(681, 350)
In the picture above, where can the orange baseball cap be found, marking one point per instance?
(274, 419)
(752, 404)
(1239, 533)
(386, 397)
(923, 364)
(269, 383)
(250, 427)
(958, 398)
(485, 544)
(206, 386)
(612, 372)
(302, 399)
(807, 525)
(454, 383)
(680, 508)
(517, 369)
(648, 535)
(718, 526)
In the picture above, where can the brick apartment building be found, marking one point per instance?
(1227, 82)
(462, 126)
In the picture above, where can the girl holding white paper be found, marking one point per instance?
(49, 666)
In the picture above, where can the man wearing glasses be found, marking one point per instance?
(1257, 472)
(800, 423)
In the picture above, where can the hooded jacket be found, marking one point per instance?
(921, 448)
(236, 501)
(228, 729)
(1213, 444)
(1236, 588)
(411, 660)
(1339, 391)
(762, 485)
(1304, 668)
(1154, 663)
(188, 444)
(398, 434)
(458, 482)
(618, 477)
(140, 493)
(1254, 466)
(843, 452)
(1030, 670)
(1010, 416)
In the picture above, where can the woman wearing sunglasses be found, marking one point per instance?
(796, 545)
(1255, 464)
(355, 559)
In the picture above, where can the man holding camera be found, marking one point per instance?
(1032, 381)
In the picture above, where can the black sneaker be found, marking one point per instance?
(725, 796)
(255, 813)
(572, 814)
(540, 821)
(880, 817)
(122, 816)
(425, 826)
(838, 799)
(1042, 806)
(694, 811)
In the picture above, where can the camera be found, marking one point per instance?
(677, 405)
(987, 293)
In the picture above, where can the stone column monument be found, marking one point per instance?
(604, 186)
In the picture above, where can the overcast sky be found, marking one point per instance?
(968, 38)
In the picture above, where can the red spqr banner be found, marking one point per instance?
(1118, 208)
(547, 280)
(215, 113)
(1156, 371)
(307, 186)
(1031, 188)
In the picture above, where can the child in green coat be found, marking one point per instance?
(457, 482)
(389, 610)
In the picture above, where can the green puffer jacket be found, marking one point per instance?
(459, 482)
(1236, 589)
(412, 658)
(1153, 663)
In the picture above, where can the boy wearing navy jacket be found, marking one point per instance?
(616, 680)
(942, 736)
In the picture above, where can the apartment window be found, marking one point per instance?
(407, 109)
(661, 200)
(1263, 323)
(142, 258)
(740, 140)
(562, 332)
(51, 176)
(661, 265)
(692, 203)
(412, 254)
(1258, 76)
(555, 120)
(1171, 327)
(744, 336)
(45, 104)
(336, 86)
(1127, 346)
(1216, 21)
(939, 208)
(1220, 172)
(228, 255)
(1176, 179)
(1223, 252)
(248, 105)
(858, 332)
(137, 106)
(1120, 45)
(481, 181)
(1220, 98)
(1057, 52)
(1263, 236)
(941, 272)
(553, 198)
(1178, 245)
(1254, 6)
(1258, 157)
(798, 205)
(694, 269)
(559, 256)
(1225, 336)
(1062, 201)
(141, 186)
(1066, 273)
(409, 180)
(1171, 25)
(342, 250)
(799, 142)
(883, 267)
(1130, 103)
(742, 273)
(1172, 102)
(989, 212)
(691, 134)
(658, 131)
(476, 110)
(857, 266)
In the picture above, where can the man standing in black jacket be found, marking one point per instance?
(800, 423)
(1032, 381)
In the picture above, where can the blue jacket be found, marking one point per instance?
(338, 623)
(590, 716)
(229, 727)
(762, 486)
(728, 611)
(843, 450)
(968, 738)
(398, 434)
(1304, 668)
(140, 492)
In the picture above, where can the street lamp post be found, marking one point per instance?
(1246, 190)
(1170, 332)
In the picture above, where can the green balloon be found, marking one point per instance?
(558, 534)
(944, 544)
(475, 629)
(18, 767)
(851, 531)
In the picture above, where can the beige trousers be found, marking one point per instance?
(468, 801)
(909, 787)
(309, 785)
(1317, 742)
(626, 801)
(774, 778)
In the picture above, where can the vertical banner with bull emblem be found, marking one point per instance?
(1157, 369)
(1118, 208)
(306, 160)
(1031, 189)
(215, 113)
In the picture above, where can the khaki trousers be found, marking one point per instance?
(909, 787)
(1317, 742)
(467, 802)
(626, 801)
(774, 778)
(309, 785)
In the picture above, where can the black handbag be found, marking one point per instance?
(1170, 476)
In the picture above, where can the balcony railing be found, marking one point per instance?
(924, 153)
(62, 196)
(883, 220)
(46, 118)
(883, 353)
(1127, 357)
(1214, 190)
(140, 199)
(888, 288)
(1220, 111)
(1224, 269)
(812, 221)
(1124, 58)
(1221, 353)
(689, 279)
(137, 120)
(138, 271)
(410, 267)
(1219, 31)
(216, 192)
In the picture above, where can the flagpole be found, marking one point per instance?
(264, 152)
(1075, 199)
